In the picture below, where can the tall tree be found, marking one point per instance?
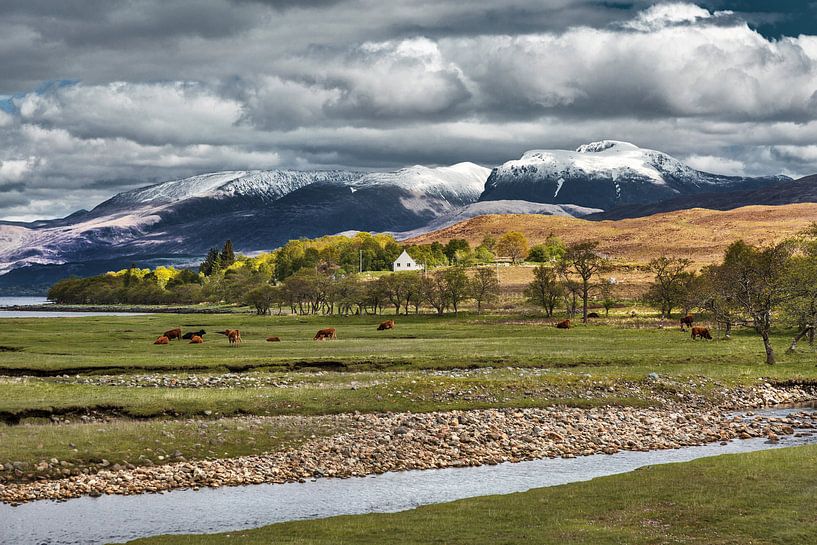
(754, 279)
(456, 281)
(211, 263)
(671, 277)
(544, 290)
(435, 289)
(484, 286)
(512, 244)
(583, 261)
(227, 254)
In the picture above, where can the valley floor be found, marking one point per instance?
(90, 406)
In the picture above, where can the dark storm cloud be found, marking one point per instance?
(100, 96)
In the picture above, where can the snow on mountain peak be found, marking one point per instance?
(607, 158)
(464, 179)
(603, 145)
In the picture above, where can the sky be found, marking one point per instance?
(102, 96)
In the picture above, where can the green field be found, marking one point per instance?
(520, 362)
(763, 498)
(124, 344)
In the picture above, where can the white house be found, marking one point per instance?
(405, 263)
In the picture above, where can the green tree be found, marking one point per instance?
(262, 298)
(672, 279)
(457, 285)
(211, 263)
(583, 261)
(512, 244)
(609, 297)
(544, 290)
(552, 250)
(484, 286)
(435, 289)
(454, 246)
(754, 280)
(227, 254)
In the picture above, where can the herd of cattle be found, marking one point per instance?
(234, 335)
(330, 333)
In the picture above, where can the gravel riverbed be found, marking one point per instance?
(378, 443)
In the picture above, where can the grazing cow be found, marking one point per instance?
(702, 332)
(326, 333)
(273, 339)
(686, 321)
(190, 334)
(196, 339)
(174, 333)
(233, 335)
(162, 340)
(564, 324)
(593, 315)
(388, 324)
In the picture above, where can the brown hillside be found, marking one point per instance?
(698, 234)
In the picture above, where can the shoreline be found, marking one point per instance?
(135, 309)
(380, 443)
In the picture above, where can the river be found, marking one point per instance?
(107, 519)
(31, 301)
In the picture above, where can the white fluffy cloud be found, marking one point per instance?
(246, 85)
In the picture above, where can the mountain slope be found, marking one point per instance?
(606, 175)
(701, 235)
(785, 192)
(258, 210)
(498, 207)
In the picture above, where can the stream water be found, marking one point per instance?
(113, 519)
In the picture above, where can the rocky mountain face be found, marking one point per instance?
(606, 175)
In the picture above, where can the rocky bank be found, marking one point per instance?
(377, 443)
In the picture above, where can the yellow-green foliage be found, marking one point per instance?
(137, 273)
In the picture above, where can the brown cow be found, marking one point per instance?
(686, 321)
(196, 339)
(273, 339)
(233, 335)
(162, 340)
(388, 324)
(326, 333)
(702, 332)
(564, 324)
(175, 333)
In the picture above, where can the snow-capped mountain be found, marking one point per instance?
(258, 210)
(179, 220)
(605, 175)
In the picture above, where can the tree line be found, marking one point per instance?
(225, 276)
(758, 287)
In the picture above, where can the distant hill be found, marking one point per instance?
(784, 192)
(698, 234)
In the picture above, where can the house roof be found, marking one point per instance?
(404, 255)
